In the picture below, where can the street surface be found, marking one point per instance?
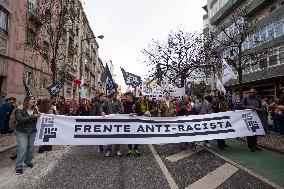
(163, 166)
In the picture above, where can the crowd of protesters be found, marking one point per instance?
(21, 118)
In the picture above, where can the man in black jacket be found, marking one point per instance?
(99, 108)
(254, 103)
(129, 106)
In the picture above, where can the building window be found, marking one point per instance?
(281, 55)
(28, 77)
(3, 21)
(263, 62)
(263, 35)
(32, 5)
(31, 38)
(273, 58)
(279, 27)
(43, 82)
(45, 48)
(254, 67)
(47, 17)
(270, 31)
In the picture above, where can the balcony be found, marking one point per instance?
(3, 31)
(255, 5)
(224, 11)
(71, 51)
(33, 15)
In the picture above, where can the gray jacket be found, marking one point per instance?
(98, 107)
(202, 107)
(114, 106)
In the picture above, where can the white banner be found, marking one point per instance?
(123, 129)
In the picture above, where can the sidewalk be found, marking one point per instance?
(271, 141)
(7, 142)
(266, 163)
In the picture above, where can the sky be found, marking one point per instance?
(129, 26)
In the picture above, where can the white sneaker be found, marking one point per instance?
(99, 151)
(107, 154)
(208, 145)
(118, 153)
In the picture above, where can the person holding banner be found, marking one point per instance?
(114, 106)
(99, 108)
(26, 131)
(128, 106)
(202, 106)
(254, 103)
(220, 104)
(187, 110)
(167, 106)
(142, 107)
(47, 108)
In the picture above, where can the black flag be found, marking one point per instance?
(107, 78)
(131, 79)
(27, 90)
(159, 74)
(55, 88)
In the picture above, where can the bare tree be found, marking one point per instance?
(51, 21)
(236, 42)
(176, 59)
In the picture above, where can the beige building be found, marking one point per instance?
(268, 75)
(82, 56)
(21, 28)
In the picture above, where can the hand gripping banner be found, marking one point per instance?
(123, 129)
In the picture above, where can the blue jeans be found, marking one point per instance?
(276, 123)
(24, 148)
(265, 124)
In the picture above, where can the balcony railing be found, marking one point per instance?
(32, 7)
(3, 31)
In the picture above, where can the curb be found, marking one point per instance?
(9, 148)
(263, 146)
(10, 145)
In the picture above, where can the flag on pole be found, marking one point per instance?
(107, 78)
(27, 90)
(159, 74)
(220, 86)
(55, 88)
(131, 79)
(228, 72)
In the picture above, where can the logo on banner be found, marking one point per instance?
(250, 123)
(47, 130)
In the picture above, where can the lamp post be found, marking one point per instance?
(81, 57)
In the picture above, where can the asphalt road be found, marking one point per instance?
(161, 166)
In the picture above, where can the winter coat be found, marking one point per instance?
(98, 107)
(251, 103)
(113, 106)
(168, 111)
(6, 107)
(202, 107)
(220, 105)
(25, 122)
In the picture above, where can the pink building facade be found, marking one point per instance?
(18, 60)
